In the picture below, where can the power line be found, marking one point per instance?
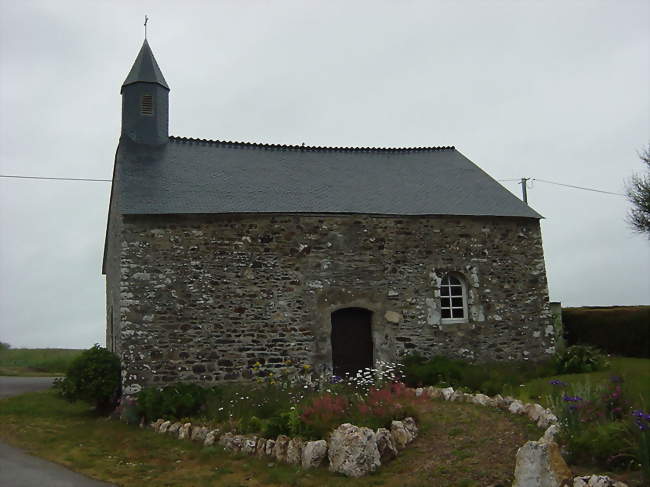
(53, 179)
(578, 187)
(573, 186)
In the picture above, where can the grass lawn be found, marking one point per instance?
(459, 445)
(26, 362)
(634, 371)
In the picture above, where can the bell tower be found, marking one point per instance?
(145, 101)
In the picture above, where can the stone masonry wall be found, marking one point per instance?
(204, 297)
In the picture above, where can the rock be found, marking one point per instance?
(313, 454)
(596, 481)
(280, 448)
(232, 442)
(400, 435)
(393, 317)
(211, 437)
(173, 429)
(482, 400)
(199, 433)
(458, 396)
(294, 451)
(156, 425)
(517, 407)
(506, 402)
(498, 401)
(260, 448)
(164, 426)
(411, 426)
(353, 451)
(540, 464)
(446, 393)
(387, 450)
(249, 445)
(434, 392)
(550, 433)
(269, 448)
(419, 391)
(185, 431)
(534, 411)
(547, 419)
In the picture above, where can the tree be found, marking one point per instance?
(638, 193)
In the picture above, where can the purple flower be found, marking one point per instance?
(642, 419)
(616, 379)
(568, 398)
(557, 382)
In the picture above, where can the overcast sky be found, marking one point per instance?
(549, 90)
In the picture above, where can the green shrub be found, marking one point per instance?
(577, 359)
(174, 401)
(488, 378)
(438, 370)
(94, 377)
(619, 330)
(605, 444)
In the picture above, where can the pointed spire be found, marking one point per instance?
(145, 69)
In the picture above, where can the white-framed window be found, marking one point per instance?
(453, 299)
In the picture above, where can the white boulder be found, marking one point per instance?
(294, 451)
(353, 451)
(517, 407)
(596, 481)
(280, 448)
(185, 431)
(447, 393)
(540, 464)
(400, 435)
(387, 450)
(313, 454)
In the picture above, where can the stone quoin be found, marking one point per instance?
(220, 255)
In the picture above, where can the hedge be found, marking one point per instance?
(618, 330)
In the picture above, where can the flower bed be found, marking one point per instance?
(290, 402)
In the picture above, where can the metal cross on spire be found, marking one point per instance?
(146, 19)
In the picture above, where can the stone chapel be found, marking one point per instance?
(221, 254)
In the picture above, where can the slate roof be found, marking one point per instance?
(209, 176)
(145, 69)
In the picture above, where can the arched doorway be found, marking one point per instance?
(351, 340)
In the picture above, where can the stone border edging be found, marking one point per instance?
(351, 450)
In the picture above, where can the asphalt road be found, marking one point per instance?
(17, 468)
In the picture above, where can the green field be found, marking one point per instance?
(27, 362)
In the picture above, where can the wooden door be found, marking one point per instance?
(351, 340)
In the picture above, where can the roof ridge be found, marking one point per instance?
(191, 140)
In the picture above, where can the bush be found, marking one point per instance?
(94, 377)
(604, 444)
(173, 401)
(619, 330)
(577, 359)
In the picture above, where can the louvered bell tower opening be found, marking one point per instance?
(146, 105)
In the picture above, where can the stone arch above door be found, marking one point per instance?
(382, 332)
